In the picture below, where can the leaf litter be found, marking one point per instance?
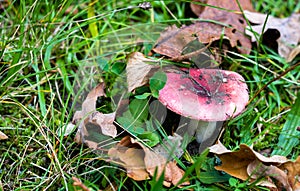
(3, 136)
(138, 70)
(249, 164)
(288, 29)
(143, 162)
(88, 116)
(139, 161)
(215, 24)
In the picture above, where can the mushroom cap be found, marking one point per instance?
(205, 94)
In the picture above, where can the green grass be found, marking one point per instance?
(52, 54)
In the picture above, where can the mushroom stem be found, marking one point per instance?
(204, 129)
(206, 132)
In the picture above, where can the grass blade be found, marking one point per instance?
(289, 136)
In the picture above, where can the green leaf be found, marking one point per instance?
(289, 136)
(103, 64)
(118, 68)
(157, 82)
(213, 176)
(130, 124)
(233, 182)
(139, 109)
(143, 96)
(150, 138)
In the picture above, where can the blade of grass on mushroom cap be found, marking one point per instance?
(289, 136)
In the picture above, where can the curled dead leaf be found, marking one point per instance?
(3, 136)
(289, 29)
(171, 146)
(293, 54)
(218, 11)
(100, 123)
(89, 104)
(138, 70)
(140, 162)
(256, 169)
(173, 41)
(293, 173)
(251, 164)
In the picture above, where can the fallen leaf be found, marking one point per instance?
(289, 29)
(105, 122)
(219, 11)
(155, 161)
(293, 173)
(66, 130)
(241, 158)
(101, 124)
(174, 174)
(231, 23)
(196, 6)
(293, 54)
(256, 169)
(3, 136)
(134, 163)
(138, 70)
(172, 40)
(140, 162)
(171, 146)
(89, 104)
(251, 164)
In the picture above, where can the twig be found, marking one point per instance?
(273, 80)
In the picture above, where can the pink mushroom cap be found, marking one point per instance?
(205, 94)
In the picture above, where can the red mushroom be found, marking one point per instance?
(206, 95)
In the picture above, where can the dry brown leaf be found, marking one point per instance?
(171, 146)
(105, 122)
(140, 162)
(235, 33)
(131, 157)
(89, 104)
(154, 161)
(173, 40)
(91, 144)
(242, 158)
(3, 136)
(196, 8)
(257, 169)
(293, 173)
(289, 29)
(174, 174)
(293, 54)
(137, 70)
(134, 163)
(89, 116)
(246, 163)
